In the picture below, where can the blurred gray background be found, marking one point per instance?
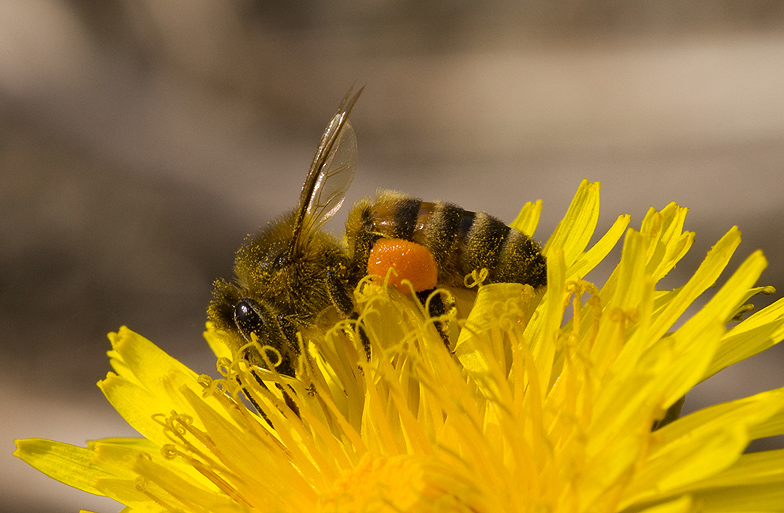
(140, 141)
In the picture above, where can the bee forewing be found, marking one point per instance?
(329, 177)
(332, 181)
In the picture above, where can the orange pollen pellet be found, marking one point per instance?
(412, 261)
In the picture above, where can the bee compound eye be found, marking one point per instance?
(275, 332)
(247, 319)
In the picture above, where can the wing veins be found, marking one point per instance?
(311, 212)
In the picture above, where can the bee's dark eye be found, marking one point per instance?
(247, 319)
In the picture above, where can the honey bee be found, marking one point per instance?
(291, 271)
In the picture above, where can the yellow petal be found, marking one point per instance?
(63, 462)
(528, 218)
(706, 276)
(587, 261)
(755, 468)
(470, 348)
(147, 388)
(578, 225)
(217, 343)
(702, 444)
(753, 335)
(668, 242)
(141, 360)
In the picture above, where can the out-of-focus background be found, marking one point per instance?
(140, 141)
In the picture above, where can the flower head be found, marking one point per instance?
(554, 401)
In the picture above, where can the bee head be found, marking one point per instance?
(246, 320)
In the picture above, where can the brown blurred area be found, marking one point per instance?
(140, 141)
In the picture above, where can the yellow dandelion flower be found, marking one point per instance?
(561, 401)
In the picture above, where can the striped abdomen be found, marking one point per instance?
(460, 241)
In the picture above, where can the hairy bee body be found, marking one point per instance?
(461, 241)
(290, 272)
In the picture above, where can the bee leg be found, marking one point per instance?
(290, 333)
(289, 401)
(341, 299)
(339, 294)
(436, 308)
(362, 335)
(253, 401)
(282, 334)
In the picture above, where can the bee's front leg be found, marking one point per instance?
(283, 336)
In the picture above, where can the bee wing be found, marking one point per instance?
(329, 177)
(332, 181)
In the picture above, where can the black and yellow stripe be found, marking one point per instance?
(461, 241)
